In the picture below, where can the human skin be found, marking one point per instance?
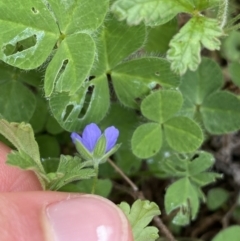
(27, 213)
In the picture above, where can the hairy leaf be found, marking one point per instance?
(183, 195)
(185, 47)
(223, 116)
(147, 140)
(161, 105)
(198, 85)
(21, 136)
(70, 169)
(140, 215)
(155, 12)
(26, 41)
(183, 134)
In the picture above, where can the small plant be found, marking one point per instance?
(133, 84)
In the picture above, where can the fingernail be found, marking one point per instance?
(87, 218)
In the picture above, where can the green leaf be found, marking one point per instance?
(52, 126)
(36, 24)
(223, 116)
(147, 140)
(140, 215)
(48, 146)
(73, 16)
(183, 195)
(205, 178)
(18, 102)
(185, 47)
(159, 37)
(196, 86)
(134, 79)
(39, 116)
(22, 160)
(204, 161)
(73, 114)
(112, 46)
(22, 137)
(70, 65)
(231, 233)
(234, 71)
(230, 46)
(216, 197)
(70, 169)
(152, 13)
(183, 134)
(161, 105)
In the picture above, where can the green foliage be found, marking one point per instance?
(184, 194)
(140, 215)
(147, 140)
(231, 233)
(156, 12)
(160, 107)
(69, 169)
(160, 36)
(202, 99)
(234, 71)
(27, 157)
(65, 64)
(185, 47)
(230, 46)
(216, 197)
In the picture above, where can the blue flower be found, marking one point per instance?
(91, 135)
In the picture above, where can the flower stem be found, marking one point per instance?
(95, 178)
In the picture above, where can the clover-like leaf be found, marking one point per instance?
(147, 140)
(18, 110)
(231, 233)
(185, 47)
(183, 134)
(183, 195)
(140, 215)
(73, 112)
(221, 116)
(161, 105)
(26, 42)
(198, 85)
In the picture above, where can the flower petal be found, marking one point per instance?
(90, 136)
(76, 137)
(111, 134)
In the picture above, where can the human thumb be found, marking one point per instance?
(29, 214)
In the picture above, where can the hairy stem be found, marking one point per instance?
(95, 178)
(222, 13)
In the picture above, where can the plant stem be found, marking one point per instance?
(158, 221)
(125, 177)
(95, 178)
